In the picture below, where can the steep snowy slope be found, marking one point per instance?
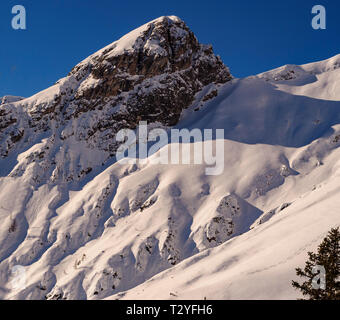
(87, 227)
(261, 263)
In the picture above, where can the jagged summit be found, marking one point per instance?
(163, 45)
(133, 40)
(153, 73)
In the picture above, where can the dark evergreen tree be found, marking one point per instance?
(327, 256)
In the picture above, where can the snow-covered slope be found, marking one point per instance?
(259, 264)
(87, 227)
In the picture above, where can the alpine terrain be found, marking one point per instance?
(78, 223)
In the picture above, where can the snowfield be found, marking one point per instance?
(84, 227)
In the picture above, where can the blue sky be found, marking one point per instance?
(250, 36)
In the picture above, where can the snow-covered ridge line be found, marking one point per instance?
(291, 71)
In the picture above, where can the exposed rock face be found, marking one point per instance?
(233, 216)
(151, 74)
(222, 225)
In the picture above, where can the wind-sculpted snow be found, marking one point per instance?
(259, 264)
(84, 226)
(75, 242)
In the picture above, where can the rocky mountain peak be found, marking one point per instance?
(163, 45)
(153, 73)
(164, 48)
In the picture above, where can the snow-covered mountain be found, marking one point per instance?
(84, 226)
